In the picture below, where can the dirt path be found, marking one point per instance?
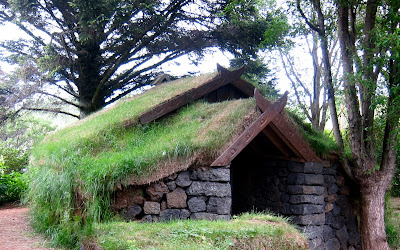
(15, 232)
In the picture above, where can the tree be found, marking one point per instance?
(370, 55)
(310, 88)
(88, 54)
(256, 70)
(369, 41)
(318, 24)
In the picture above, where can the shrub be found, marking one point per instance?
(13, 159)
(395, 189)
(12, 184)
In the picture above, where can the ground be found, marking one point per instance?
(15, 231)
(16, 234)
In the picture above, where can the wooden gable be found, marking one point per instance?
(273, 123)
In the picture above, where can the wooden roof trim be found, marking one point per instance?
(288, 130)
(242, 85)
(252, 131)
(178, 101)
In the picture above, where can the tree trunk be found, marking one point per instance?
(372, 217)
(89, 78)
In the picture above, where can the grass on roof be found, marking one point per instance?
(77, 168)
(247, 231)
(322, 142)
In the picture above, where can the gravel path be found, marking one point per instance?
(15, 232)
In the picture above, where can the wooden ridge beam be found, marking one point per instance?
(178, 101)
(252, 131)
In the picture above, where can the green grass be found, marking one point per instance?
(392, 223)
(74, 170)
(321, 142)
(248, 231)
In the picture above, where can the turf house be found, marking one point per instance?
(207, 147)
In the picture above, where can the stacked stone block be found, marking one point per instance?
(340, 228)
(194, 194)
(305, 204)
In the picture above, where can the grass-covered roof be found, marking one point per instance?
(114, 145)
(110, 147)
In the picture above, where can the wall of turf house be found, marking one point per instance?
(314, 195)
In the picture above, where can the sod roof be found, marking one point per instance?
(114, 146)
(138, 141)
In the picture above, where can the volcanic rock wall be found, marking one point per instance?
(314, 195)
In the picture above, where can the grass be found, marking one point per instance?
(247, 231)
(74, 170)
(392, 222)
(321, 142)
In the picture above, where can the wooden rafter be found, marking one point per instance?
(178, 101)
(252, 131)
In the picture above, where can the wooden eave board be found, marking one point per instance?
(289, 131)
(252, 130)
(284, 129)
(185, 98)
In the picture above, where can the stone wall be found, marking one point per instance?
(194, 194)
(341, 228)
(314, 195)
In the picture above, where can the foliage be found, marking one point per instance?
(12, 184)
(395, 189)
(88, 54)
(82, 164)
(18, 136)
(14, 160)
(247, 231)
(257, 73)
(256, 70)
(22, 131)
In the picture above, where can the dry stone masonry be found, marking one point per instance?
(314, 195)
(194, 194)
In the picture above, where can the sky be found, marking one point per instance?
(178, 67)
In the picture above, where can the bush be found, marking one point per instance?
(13, 159)
(395, 189)
(12, 185)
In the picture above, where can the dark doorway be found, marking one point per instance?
(258, 177)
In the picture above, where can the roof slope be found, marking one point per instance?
(111, 147)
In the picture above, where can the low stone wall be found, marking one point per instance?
(195, 194)
(314, 195)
